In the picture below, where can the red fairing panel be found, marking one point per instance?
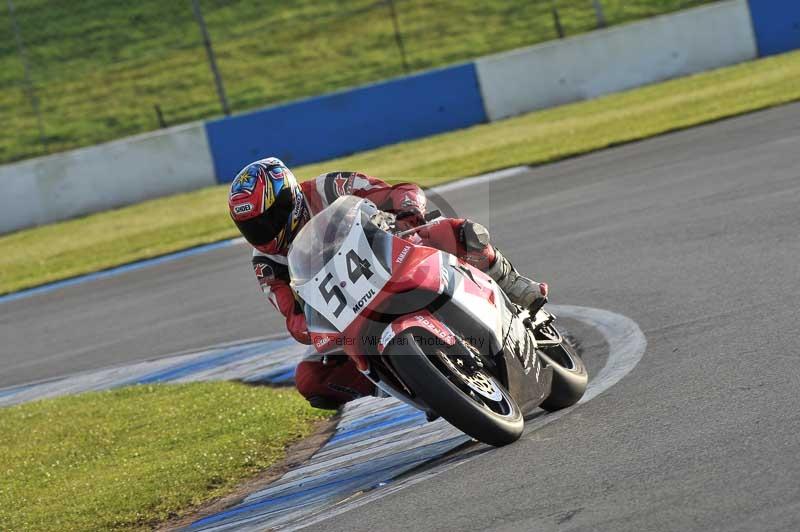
(478, 284)
(327, 341)
(414, 267)
(422, 319)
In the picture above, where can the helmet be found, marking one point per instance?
(267, 205)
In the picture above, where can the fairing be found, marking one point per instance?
(391, 285)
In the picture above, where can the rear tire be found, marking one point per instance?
(570, 377)
(424, 371)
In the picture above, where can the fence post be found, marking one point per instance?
(598, 13)
(160, 116)
(557, 23)
(29, 89)
(212, 61)
(398, 37)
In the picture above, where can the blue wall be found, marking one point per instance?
(346, 122)
(776, 24)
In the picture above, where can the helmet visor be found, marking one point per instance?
(265, 227)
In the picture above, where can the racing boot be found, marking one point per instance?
(525, 292)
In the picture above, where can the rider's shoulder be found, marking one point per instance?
(330, 185)
(341, 174)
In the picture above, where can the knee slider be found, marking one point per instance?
(475, 236)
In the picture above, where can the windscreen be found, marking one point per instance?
(319, 239)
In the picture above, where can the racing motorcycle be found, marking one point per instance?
(427, 327)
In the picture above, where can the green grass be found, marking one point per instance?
(38, 255)
(127, 459)
(99, 66)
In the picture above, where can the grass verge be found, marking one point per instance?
(57, 251)
(130, 458)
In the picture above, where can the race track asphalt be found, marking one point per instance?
(694, 235)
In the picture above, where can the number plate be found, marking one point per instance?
(347, 282)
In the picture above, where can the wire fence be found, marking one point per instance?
(78, 73)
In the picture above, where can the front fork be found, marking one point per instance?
(544, 335)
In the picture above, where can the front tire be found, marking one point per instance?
(435, 378)
(570, 376)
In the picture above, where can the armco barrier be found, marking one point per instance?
(616, 59)
(777, 25)
(64, 185)
(346, 122)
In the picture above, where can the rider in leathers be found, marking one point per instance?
(269, 207)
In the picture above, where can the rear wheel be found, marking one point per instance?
(570, 377)
(470, 398)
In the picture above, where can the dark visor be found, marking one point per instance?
(265, 227)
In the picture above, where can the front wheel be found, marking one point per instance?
(570, 376)
(472, 400)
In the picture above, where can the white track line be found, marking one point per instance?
(498, 175)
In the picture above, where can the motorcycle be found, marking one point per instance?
(426, 327)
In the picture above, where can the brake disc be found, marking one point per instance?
(477, 381)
